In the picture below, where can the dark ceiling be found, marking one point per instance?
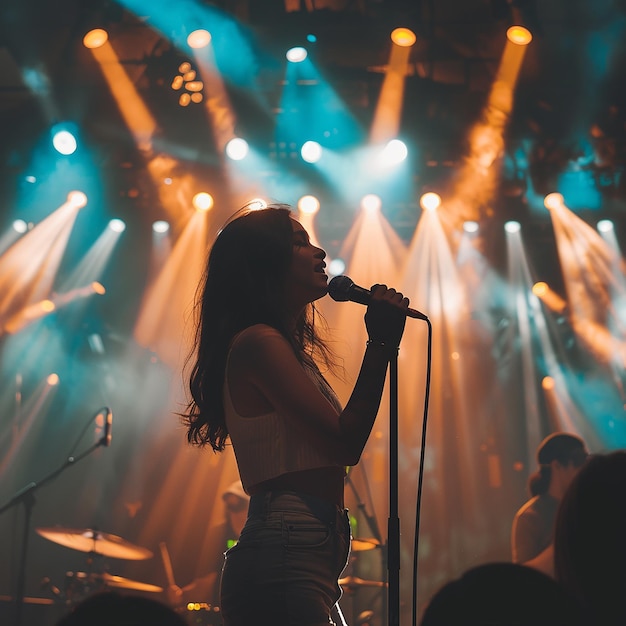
(569, 118)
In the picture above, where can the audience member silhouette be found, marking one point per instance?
(502, 594)
(110, 608)
(590, 539)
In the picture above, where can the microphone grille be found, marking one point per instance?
(339, 288)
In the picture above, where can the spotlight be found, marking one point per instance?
(311, 38)
(519, 35)
(64, 142)
(311, 151)
(20, 226)
(470, 226)
(371, 203)
(403, 37)
(98, 288)
(512, 227)
(203, 201)
(605, 226)
(95, 38)
(53, 380)
(160, 226)
(430, 201)
(199, 38)
(553, 201)
(30, 179)
(540, 288)
(309, 204)
(237, 149)
(117, 225)
(186, 78)
(77, 199)
(296, 55)
(393, 153)
(547, 383)
(336, 267)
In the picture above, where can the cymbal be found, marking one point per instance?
(126, 583)
(91, 540)
(358, 545)
(354, 582)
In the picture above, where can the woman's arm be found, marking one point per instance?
(264, 369)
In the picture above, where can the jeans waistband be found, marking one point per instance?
(267, 501)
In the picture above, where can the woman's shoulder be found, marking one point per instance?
(254, 337)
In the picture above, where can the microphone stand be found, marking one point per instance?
(26, 495)
(393, 529)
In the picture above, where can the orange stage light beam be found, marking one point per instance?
(136, 114)
(386, 121)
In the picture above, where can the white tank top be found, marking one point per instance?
(267, 446)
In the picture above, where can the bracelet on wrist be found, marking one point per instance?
(381, 344)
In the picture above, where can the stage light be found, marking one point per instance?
(309, 204)
(95, 38)
(512, 227)
(470, 226)
(430, 201)
(311, 38)
(64, 142)
(403, 37)
(160, 226)
(203, 201)
(20, 226)
(117, 225)
(77, 199)
(519, 35)
(393, 153)
(98, 288)
(540, 288)
(53, 380)
(605, 226)
(30, 179)
(47, 306)
(296, 55)
(553, 201)
(371, 203)
(336, 267)
(199, 38)
(237, 149)
(167, 181)
(547, 383)
(311, 151)
(184, 99)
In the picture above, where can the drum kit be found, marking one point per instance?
(96, 544)
(79, 585)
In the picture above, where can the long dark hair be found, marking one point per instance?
(244, 284)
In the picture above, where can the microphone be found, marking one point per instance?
(108, 423)
(342, 289)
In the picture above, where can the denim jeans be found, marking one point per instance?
(284, 569)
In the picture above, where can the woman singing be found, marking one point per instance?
(255, 382)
